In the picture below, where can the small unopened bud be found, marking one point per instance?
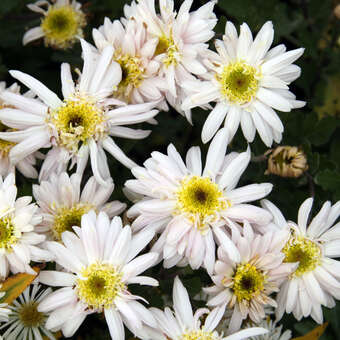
(286, 161)
(337, 11)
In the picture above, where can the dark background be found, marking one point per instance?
(315, 128)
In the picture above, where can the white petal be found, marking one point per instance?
(46, 95)
(214, 121)
(115, 324)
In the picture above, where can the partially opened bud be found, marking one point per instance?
(286, 161)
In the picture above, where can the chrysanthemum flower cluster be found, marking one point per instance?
(184, 211)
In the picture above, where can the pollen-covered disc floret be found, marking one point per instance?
(304, 251)
(199, 335)
(63, 202)
(247, 80)
(65, 218)
(315, 282)
(132, 71)
(99, 284)
(239, 82)
(200, 198)
(8, 233)
(246, 283)
(183, 324)
(190, 205)
(76, 121)
(19, 243)
(99, 263)
(25, 321)
(61, 26)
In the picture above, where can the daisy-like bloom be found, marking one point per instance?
(188, 205)
(77, 126)
(100, 262)
(134, 52)
(18, 240)
(245, 284)
(274, 331)
(26, 165)
(316, 280)
(62, 203)
(61, 26)
(25, 322)
(182, 38)
(248, 80)
(286, 161)
(182, 324)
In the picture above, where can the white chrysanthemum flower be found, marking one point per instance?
(274, 331)
(316, 280)
(182, 324)
(25, 322)
(18, 240)
(4, 310)
(61, 26)
(248, 80)
(182, 39)
(189, 206)
(26, 165)
(245, 284)
(77, 126)
(134, 52)
(62, 202)
(101, 262)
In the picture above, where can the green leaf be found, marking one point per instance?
(328, 180)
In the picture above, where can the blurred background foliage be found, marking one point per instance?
(312, 24)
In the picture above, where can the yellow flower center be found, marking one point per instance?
(198, 335)
(66, 218)
(248, 282)
(166, 44)
(239, 82)
(200, 198)
(62, 26)
(5, 146)
(304, 251)
(77, 120)
(8, 233)
(99, 285)
(29, 315)
(132, 73)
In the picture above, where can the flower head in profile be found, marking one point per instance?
(190, 204)
(245, 285)
(25, 321)
(286, 161)
(134, 51)
(26, 165)
(77, 126)
(182, 38)
(61, 26)
(62, 202)
(316, 280)
(18, 239)
(182, 324)
(274, 331)
(248, 81)
(100, 262)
